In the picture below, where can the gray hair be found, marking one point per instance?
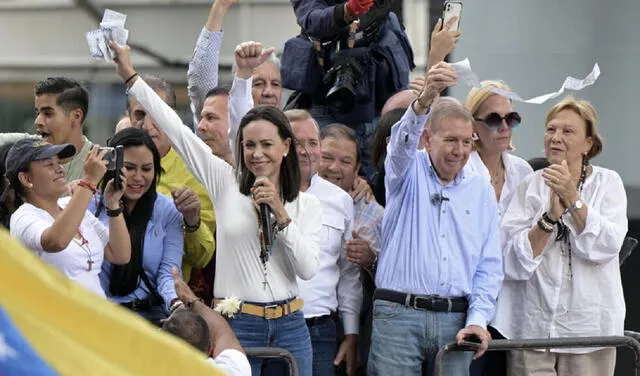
(301, 115)
(447, 108)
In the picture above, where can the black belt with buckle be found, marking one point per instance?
(434, 303)
(313, 321)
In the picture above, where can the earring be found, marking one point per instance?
(285, 155)
(30, 186)
(474, 136)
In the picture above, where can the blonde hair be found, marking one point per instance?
(588, 113)
(478, 96)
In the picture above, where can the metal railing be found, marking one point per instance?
(630, 340)
(273, 353)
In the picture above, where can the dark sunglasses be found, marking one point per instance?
(493, 121)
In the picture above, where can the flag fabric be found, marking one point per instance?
(50, 322)
(17, 357)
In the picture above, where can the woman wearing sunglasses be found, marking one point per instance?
(493, 127)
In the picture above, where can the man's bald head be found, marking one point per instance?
(401, 99)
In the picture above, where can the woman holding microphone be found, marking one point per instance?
(255, 282)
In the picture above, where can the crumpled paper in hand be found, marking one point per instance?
(111, 28)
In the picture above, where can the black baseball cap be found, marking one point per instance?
(28, 150)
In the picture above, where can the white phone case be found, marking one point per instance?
(452, 9)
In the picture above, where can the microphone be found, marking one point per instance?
(438, 198)
(265, 220)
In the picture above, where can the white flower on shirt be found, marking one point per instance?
(229, 306)
(6, 351)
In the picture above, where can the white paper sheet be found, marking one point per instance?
(467, 75)
(111, 28)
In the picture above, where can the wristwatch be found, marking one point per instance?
(114, 212)
(576, 206)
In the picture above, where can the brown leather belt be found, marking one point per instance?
(269, 312)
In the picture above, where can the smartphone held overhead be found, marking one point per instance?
(452, 9)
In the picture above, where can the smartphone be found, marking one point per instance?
(452, 9)
(119, 155)
(110, 157)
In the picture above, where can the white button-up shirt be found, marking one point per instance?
(336, 286)
(546, 296)
(516, 169)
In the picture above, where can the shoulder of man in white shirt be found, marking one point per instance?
(232, 362)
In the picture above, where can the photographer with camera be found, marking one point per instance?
(60, 230)
(349, 58)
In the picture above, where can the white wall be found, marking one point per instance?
(533, 45)
(48, 35)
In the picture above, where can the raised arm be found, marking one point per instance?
(210, 170)
(65, 227)
(443, 41)
(249, 56)
(118, 248)
(203, 68)
(405, 135)
(222, 337)
(322, 21)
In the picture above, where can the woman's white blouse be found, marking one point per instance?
(516, 169)
(546, 296)
(239, 270)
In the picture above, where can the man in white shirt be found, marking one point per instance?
(336, 286)
(339, 164)
(207, 331)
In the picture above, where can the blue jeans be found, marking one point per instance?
(403, 340)
(154, 314)
(288, 332)
(364, 132)
(323, 340)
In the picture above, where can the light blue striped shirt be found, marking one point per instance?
(450, 248)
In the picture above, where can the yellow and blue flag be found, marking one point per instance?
(51, 326)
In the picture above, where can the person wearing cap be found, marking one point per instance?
(60, 230)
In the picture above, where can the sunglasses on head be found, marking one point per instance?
(493, 120)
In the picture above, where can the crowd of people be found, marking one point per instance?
(361, 226)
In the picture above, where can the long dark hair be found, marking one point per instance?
(289, 169)
(5, 189)
(124, 279)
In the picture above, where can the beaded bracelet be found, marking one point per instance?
(545, 226)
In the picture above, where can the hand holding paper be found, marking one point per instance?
(111, 28)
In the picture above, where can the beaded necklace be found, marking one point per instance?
(563, 230)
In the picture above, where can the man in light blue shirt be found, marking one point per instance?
(440, 268)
